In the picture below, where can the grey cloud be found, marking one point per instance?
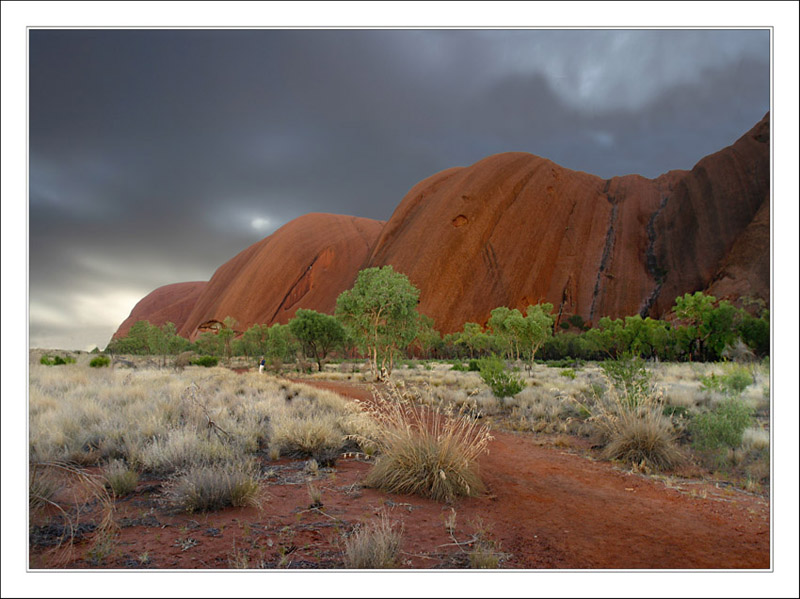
(157, 150)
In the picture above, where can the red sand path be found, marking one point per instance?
(552, 509)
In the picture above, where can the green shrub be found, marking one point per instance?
(474, 366)
(207, 361)
(724, 426)
(459, 367)
(568, 373)
(99, 361)
(630, 377)
(732, 383)
(502, 382)
(56, 361)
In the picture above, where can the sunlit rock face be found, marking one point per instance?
(512, 230)
(306, 263)
(170, 303)
(515, 229)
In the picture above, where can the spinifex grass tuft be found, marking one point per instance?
(427, 451)
(634, 428)
(373, 546)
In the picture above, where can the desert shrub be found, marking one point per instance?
(430, 452)
(474, 366)
(732, 383)
(631, 378)
(503, 382)
(568, 373)
(724, 426)
(99, 361)
(634, 430)
(183, 359)
(56, 361)
(376, 545)
(120, 478)
(458, 366)
(207, 361)
(213, 487)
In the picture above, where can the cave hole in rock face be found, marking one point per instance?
(460, 221)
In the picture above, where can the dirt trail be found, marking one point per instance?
(553, 509)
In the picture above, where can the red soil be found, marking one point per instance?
(545, 508)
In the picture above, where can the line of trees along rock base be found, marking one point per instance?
(378, 320)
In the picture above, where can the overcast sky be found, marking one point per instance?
(157, 155)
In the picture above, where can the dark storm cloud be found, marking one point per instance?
(157, 155)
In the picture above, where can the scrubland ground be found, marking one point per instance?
(208, 468)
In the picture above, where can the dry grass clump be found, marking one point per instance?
(121, 479)
(320, 425)
(635, 430)
(431, 452)
(181, 449)
(755, 439)
(375, 545)
(215, 486)
(484, 555)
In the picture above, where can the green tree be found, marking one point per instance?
(137, 341)
(694, 310)
(506, 326)
(380, 314)
(318, 334)
(427, 336)
(537, 328)
(608, 338)
(280, 343)
(755, 332)
(208, 344)
(226, 334)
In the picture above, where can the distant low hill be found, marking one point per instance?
(511, 230)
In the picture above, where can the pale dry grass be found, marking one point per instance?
(429, 451)
(375, 545)
(634, 430)
(213, 487)
(755, 439)
(162, 421)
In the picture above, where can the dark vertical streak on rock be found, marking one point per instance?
(653, 267)
(609, 246)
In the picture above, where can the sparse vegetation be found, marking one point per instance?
(375, 545)
(213, 487)
(502, 381)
